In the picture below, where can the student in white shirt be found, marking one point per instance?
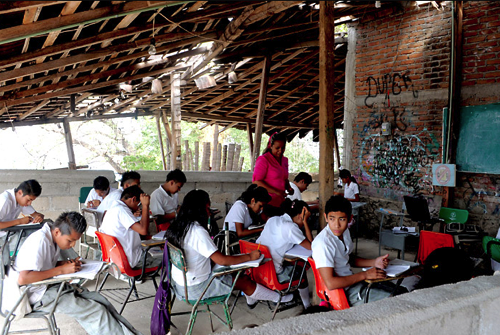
(351, 188)
(99, 192)
(38, 259)
(165, 199)
(281, 233)
(239, 217)
(16, 201)
(331, 249)
(129, 178)
(121, 223)
(300, 183)
(189, 232)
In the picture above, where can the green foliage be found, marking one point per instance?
(146, 154)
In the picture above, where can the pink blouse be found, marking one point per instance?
(268, 169)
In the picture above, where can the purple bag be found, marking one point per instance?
(160, 316)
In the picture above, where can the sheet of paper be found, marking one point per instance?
(160, 235)
(393, 270)
(255, 227)
(299, 251)
(252, 264)
(89, 270)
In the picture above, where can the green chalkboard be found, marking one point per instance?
(478, 147)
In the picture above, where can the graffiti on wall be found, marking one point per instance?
(389, 84)
(393, 115)
(475, 199)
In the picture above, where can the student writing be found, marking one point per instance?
(99, 192)
(18, 200)
(351, 188)
(165, 199)
(129, 178)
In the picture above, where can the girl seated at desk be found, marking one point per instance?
(189, 232)
(239, 217)
(281, 233)
(351, 188)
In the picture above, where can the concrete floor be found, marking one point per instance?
(139, 313)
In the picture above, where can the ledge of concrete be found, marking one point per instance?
(465, 308)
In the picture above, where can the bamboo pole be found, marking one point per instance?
(230, 157)
(219, 154)
(224, 158)
(196, 156)
(236, 161)
(160, 139)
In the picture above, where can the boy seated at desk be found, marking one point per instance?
(38, 260)
(121, 223)
(99, 192)
(165, 199)
(129, 178)
(18, 200)
(331, 250)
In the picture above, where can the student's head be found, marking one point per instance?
(255, 197)
(345, 175)
(130, 178)
(101, 186)
(276, 145)
(294, 208)
(338, 213)
(67, 229)
(302, 180)
(131, 196)
(27, 191)
(175, 180)
(195, 208)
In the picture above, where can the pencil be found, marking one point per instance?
(258, 247)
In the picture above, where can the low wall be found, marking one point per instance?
(464, 308)
(61, 188)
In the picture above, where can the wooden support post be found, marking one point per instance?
(160, 139)
(236, 160)
(224, 158)
(250, 139)
(186, 151)
(168, 131)
(175, 103)
(215, 146)
(350, 97)
(240, 168)
(326, 103)
(261, 109)
(219, 155)
(206, 157)
(230, 157)
(196, 156)
(69, 144)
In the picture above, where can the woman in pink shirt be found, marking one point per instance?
(271, 172)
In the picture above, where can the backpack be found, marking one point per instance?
(160, 316)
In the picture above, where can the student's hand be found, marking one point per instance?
(37, 217)
(26, 220)
(145, 200)
(71, 266)
(382, 261)
(254, 254)
(138, 213)
(375, 273)
(307, 214)
(95, 203)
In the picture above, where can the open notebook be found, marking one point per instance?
(252, 264)
(89, 270)
(397, 267)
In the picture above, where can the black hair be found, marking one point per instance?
(193, 209)
(258, 193)
(346, 174)
(293, 207)
(130, 175)
(132, 191)
(30, 187)
(274, 137)
(306, 177)
(70, 221)
(338, 203)
(101, 183)
(177, 176)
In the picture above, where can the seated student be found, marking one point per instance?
(331, 249)
(38, 260)
(99, 192)
(189, 232)
(165, 200)
(351, 188)
(239, 217)
(121, 223)
(300, 184)
(281, 233)
(18, 200)
(129, 178)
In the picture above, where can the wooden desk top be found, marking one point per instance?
(152, 243)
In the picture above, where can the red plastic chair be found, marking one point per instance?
(335, 298)
(430, 241)
(266, 273)
(112, 251)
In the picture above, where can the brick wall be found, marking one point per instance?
(402, 73)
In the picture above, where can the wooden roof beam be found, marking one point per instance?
(17, 6)
(304, 98)
(33, 110)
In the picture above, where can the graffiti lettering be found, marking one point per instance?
(389, 84)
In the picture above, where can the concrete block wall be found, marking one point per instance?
(402, 74)
(461, 309)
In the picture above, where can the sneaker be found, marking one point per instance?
(251, 303)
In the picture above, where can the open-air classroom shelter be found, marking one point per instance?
(411, 83)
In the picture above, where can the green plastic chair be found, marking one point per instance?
(84, 193)
(450, 215)
(491, 247)
(177, 260)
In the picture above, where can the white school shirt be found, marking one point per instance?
(38, 253)
(10, 209)
(117, 222)
(280, 234)
(162, 203)
(328, 251)
(296, 193)
(94, 196)
(198, 247)
(110, 200)
(238, 213)
(351, 190)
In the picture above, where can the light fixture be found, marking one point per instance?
(232, 77)
(152, 47)
(206, 81)
(378, 4)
